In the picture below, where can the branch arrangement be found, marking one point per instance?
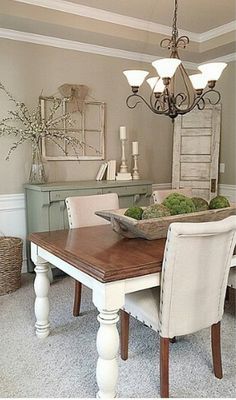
(28, 126)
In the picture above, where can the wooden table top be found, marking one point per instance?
(102, 253)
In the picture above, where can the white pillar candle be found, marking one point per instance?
(122, 132)
(134, 148)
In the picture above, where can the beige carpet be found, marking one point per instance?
(63, 365)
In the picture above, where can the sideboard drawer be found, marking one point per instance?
(127, 190)
(62, 195)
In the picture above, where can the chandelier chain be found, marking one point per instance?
(174, 25)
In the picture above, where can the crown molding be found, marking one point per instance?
(82, 47)
(227, 58)
(215, 32)
(131, 22)
(108, 16)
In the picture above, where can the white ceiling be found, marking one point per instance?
(193, 15)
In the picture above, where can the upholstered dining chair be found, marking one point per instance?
(232, 273)
(81, 213)
(159, 195)
(191, 296)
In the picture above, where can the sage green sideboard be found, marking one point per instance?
(45, 204)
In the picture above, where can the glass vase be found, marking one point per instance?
(37, 172)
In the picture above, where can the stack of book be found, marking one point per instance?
(111, 170)
(107, 169)
(102, 171)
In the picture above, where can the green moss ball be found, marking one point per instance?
(200, 204)
(134, 212)
(219, 202)
(155, 211)
(179, 204)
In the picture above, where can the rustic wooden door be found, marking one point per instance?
(196, 151)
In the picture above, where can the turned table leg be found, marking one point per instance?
(41, 307)
(107, 347)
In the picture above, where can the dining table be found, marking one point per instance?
(111, 266)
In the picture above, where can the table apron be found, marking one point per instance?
(109, 295)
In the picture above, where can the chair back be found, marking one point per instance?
(81, 209)
(160, 195)
(194, 277)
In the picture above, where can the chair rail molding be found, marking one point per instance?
(228, 191)
(161, 186)
(12, 218)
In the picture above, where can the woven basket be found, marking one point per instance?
(10, 264)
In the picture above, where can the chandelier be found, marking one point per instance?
(197, 89)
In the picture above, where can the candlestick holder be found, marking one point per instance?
(123, 166)
(135, 169)
(123, 174)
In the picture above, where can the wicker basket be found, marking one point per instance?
(10, 264)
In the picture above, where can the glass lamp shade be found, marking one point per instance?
(156, 84)
(166, 67)
(212, 71)
(135, 77)
(198, 81)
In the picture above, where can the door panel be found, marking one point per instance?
(196, 151)
(196, 120)
(189, 171)
(196, 145)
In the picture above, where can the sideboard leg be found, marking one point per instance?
(41, 307)
(107, 347)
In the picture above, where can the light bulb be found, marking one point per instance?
(198, 81)
(135, 77)
(212, 71)
(166, 67)
(156, 84)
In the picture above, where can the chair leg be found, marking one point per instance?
(124, 334)
(216, 350)
(164, 367)
(77, 298)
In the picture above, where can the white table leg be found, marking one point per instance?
(41, 307)
(107, 347)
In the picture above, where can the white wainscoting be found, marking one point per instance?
(12, 218)
(228, 191)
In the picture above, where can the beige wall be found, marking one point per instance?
(227, 87)
(26, 69)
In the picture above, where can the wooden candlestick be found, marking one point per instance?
(135, 169)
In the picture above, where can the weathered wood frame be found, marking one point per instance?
(100, 130)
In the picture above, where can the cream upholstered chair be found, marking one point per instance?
(160, 195)
(193, 285)
(232, 273)
(81, 213)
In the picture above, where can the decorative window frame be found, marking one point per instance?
(82, 130)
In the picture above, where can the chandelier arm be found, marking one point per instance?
(213, 103)
(201, 104)
(154, 106)
(145, 101)
(185, 76)
(162, 103)
(198, 99)
(183, 97)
